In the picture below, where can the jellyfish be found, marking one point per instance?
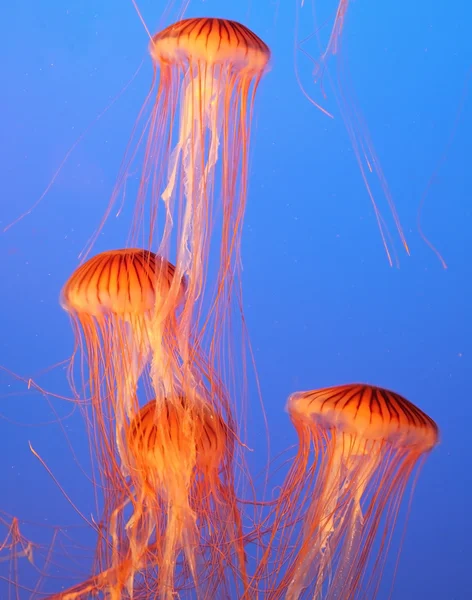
(122, 305)
(199, 125)
(215, 66)
(179, 453)
(366, 443)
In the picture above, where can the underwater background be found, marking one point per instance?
(322, 304)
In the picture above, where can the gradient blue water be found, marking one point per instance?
(322, 304)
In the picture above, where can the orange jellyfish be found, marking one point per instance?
(209, 71)
(366, 443)
(179, 453)
(122, 304)
(181, 468)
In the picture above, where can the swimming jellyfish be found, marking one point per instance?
(207, 72)
(122, 305)
(366, 442)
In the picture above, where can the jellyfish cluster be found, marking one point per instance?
(155, 359)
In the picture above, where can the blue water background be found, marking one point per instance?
(322, 304)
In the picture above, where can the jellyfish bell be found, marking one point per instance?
(164, 433)
(365, 441)
(366, 412)
(211, 42)
(120, 282)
